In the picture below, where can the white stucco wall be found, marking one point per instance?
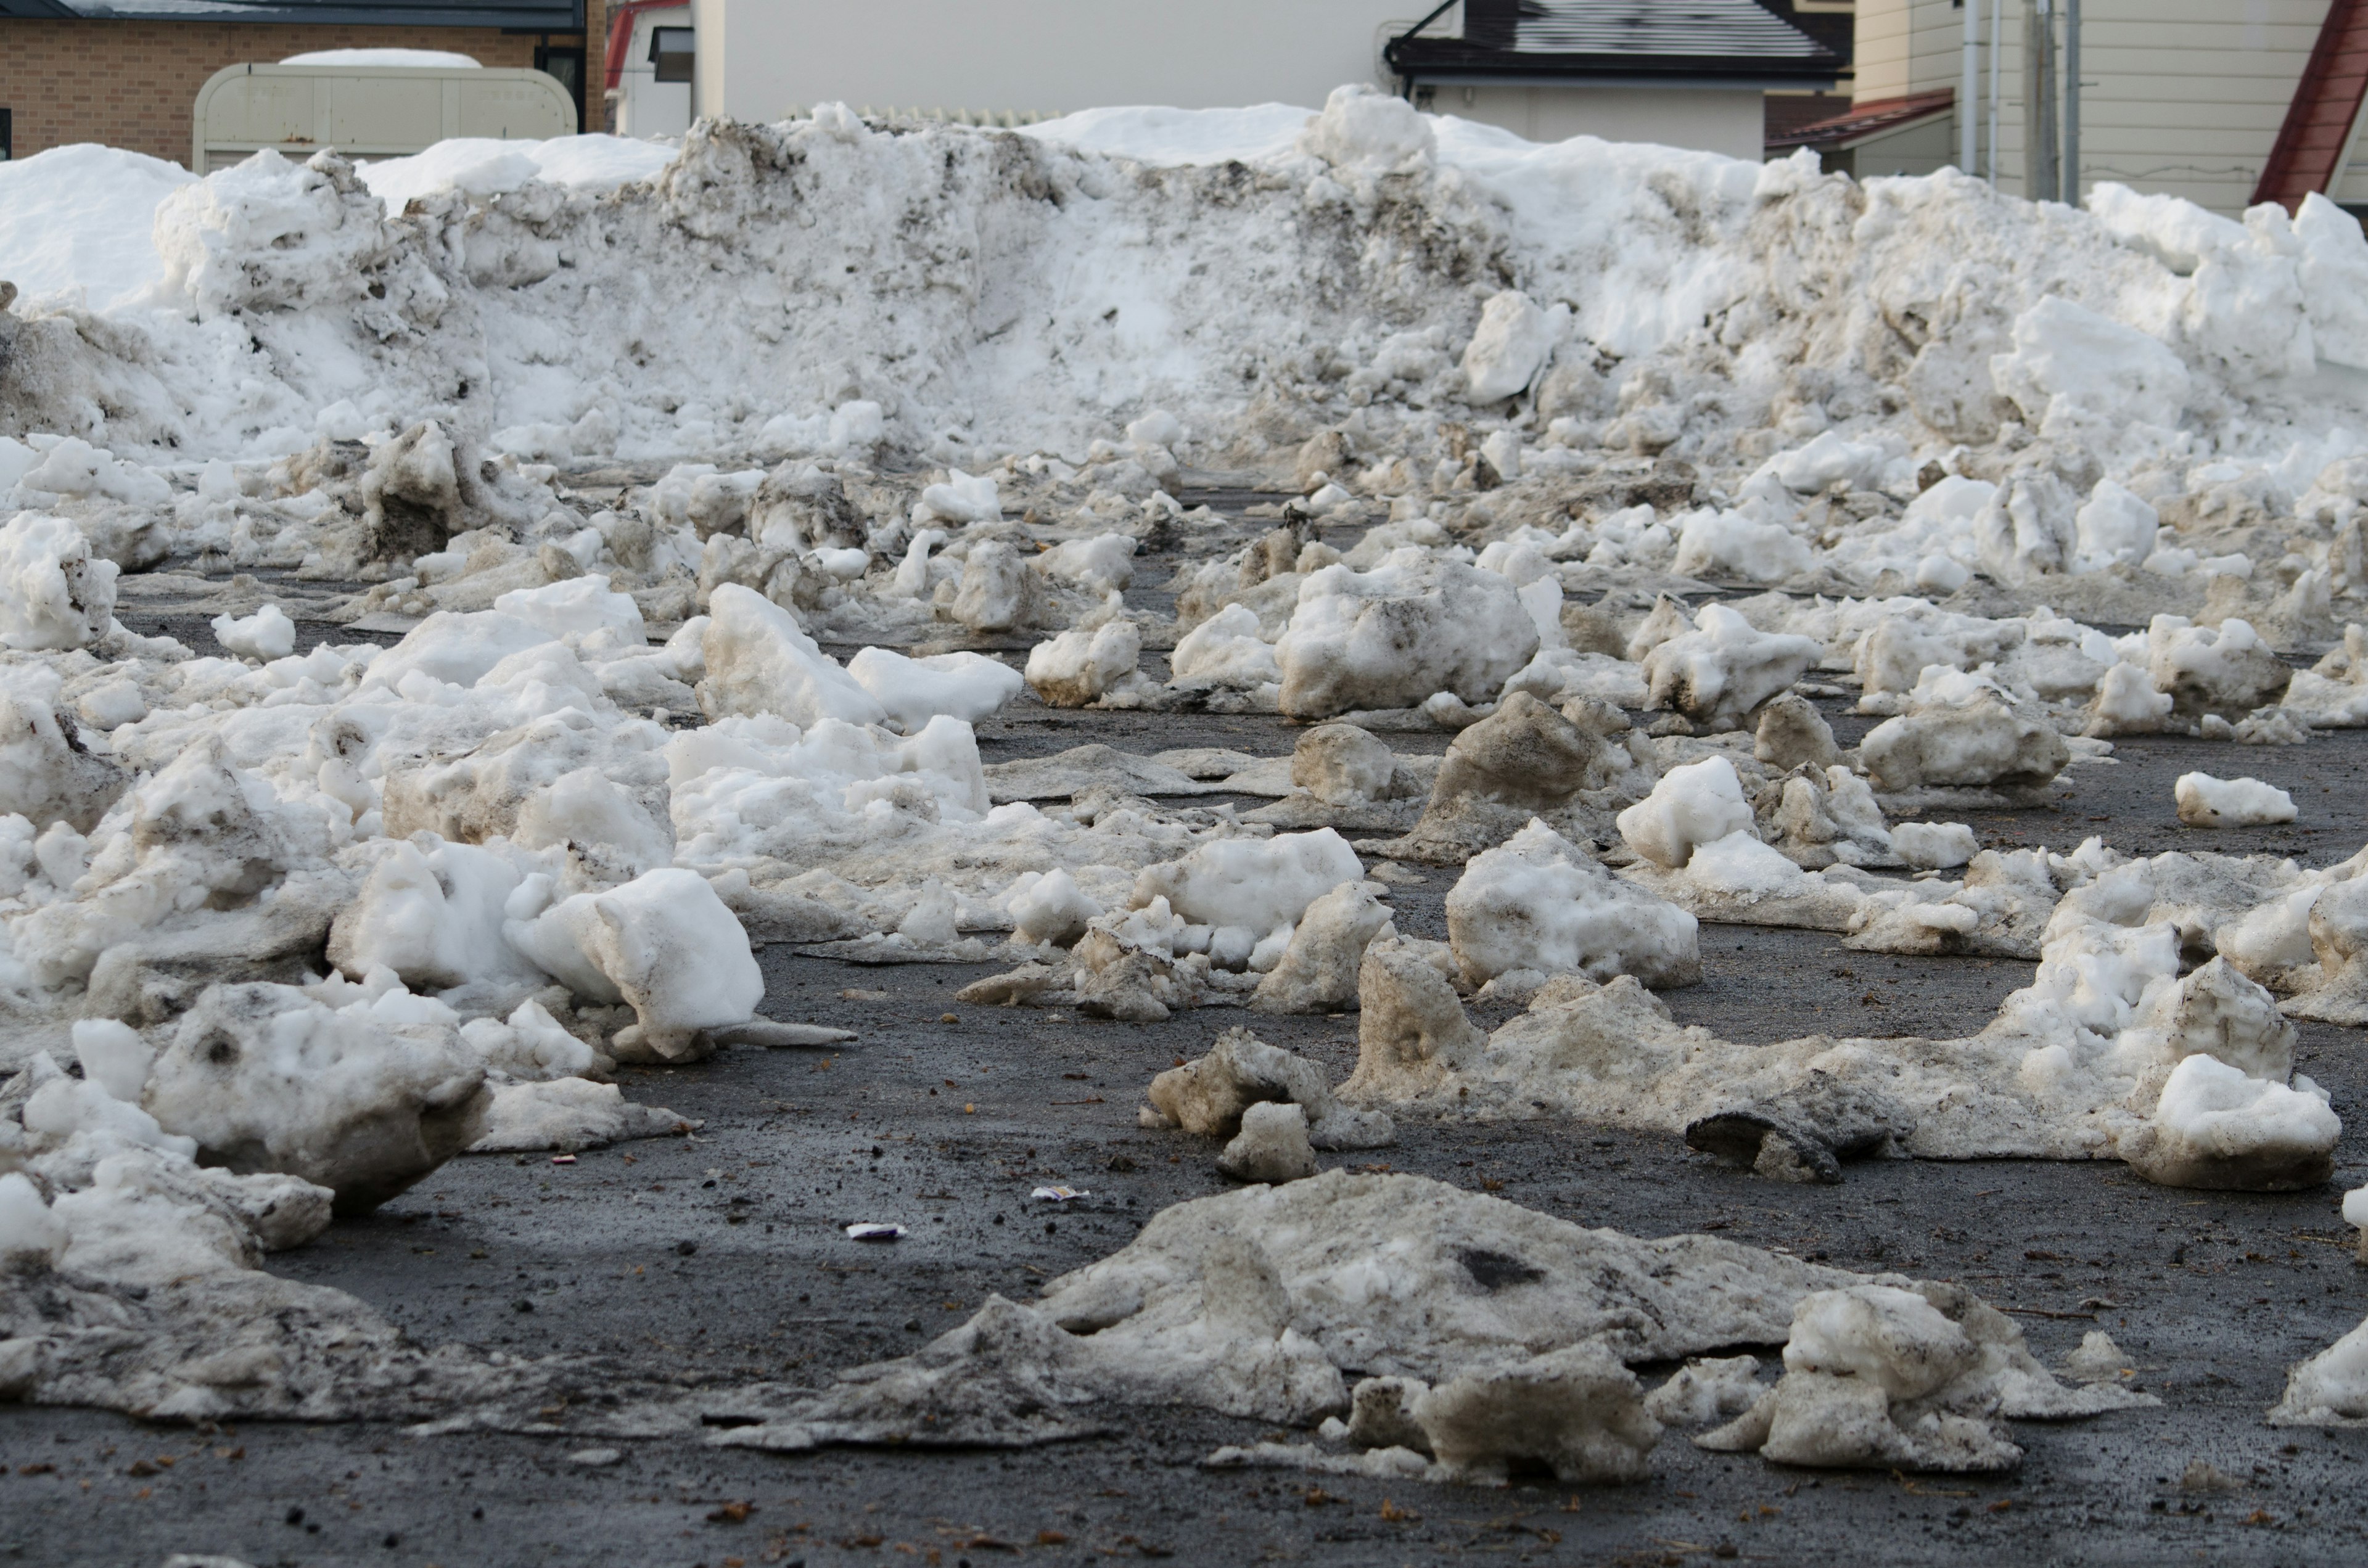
(1715, 120)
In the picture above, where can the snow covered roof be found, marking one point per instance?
(1696, 41)
(540, 16)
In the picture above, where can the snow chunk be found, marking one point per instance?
(1724, 668)
(969, 686)
(1392, 637)
(265, 635)
(1537, 903)
(1256, 885)
(759, 660)
(2206, 801)
(2094, 364)
(53, 592)
(1078, 667)
(1272, 1146)
(664, 943)
(363, 1090)
(1509, 348)
(1692, 805)
(2217, 1126)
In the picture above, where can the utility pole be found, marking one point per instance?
(1969, 87)
(2072, 101)
(2039, 149)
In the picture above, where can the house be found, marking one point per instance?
(128, 72)
(1691, 72)
(2222, 103)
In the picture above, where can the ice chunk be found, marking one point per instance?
(1209, 1096)
(569, 1114)
(1961, 732)
(1537, 903)
(999, 592)
(114, 1057)
(1363, 128)
(1730, 544)
(1226, 650)
(431, 914)
(2115, 528)
(1879, 1376)
(1048, 906)
(2127, 704)
(960, 498)
(457, 648)
(1343, 766)
(2206, 801)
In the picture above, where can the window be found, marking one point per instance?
(671, 52)
(8, 135)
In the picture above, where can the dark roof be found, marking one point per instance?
(1693, 41)
(1866, 120)
(538, 16)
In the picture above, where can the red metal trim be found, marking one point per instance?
(621, 15)
(2326, 103)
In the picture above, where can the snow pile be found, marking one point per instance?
(1489, 1336)
(1879, 1376)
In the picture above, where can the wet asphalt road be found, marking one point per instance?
(945, 1127)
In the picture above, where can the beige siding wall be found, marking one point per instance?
(2179, 96)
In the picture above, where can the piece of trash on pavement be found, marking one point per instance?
(1059, 1194)
(872, 1233)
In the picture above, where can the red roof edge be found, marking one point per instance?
(1864, 118)
(2326, 103)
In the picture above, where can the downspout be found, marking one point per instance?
(2072, 102)
(1969, 89)
(1998, 21)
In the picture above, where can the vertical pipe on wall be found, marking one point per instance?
(2072, 101)
(2039, 154)
(1998, 21)
(1969, 87)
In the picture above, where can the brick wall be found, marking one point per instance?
(135, 84)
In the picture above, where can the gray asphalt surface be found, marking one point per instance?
(718, 1259)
